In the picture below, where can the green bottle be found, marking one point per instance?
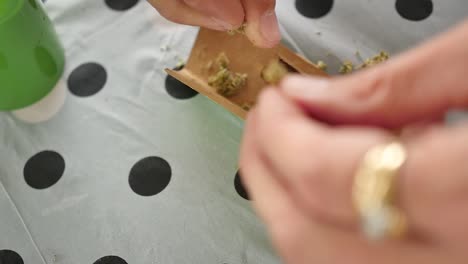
(31, 56)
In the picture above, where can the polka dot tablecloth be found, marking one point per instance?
(138, 168)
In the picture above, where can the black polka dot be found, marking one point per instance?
(240, 187)
(10, 257)
(150, 176)
(121, 5)
(415, 10)
(314, 8)
(110, 260)
(88, 79)
(44, 169)
(177, 89)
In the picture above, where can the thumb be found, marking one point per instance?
(226, 14)
(420, 85)
(262, 23)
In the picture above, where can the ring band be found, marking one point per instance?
(374, 191)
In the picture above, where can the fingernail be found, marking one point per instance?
(269, 27)
(221, 24)
(305, 87)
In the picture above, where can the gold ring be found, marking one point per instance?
(374, 192)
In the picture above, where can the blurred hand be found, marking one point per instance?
(304, 141)
(262, 24)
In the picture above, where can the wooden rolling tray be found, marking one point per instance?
(244, 58)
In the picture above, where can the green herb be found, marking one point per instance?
(377, 59)
(226, 82)
(347, 67)
(322, 65)
(274, 72)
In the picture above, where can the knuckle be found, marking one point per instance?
(379, 94)
(376, 83)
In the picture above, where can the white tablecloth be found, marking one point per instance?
(141, 168)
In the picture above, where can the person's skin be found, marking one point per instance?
(305, 138)
(259, 16)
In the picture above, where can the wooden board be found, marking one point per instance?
(244, 58)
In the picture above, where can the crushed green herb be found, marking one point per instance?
(322, 65)
(226, 82)
(180, 61)
(222, 61)
(377, 59)
(240, 30)
(347, 67)
(274, 72)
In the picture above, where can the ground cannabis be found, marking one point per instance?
(274, 72)
(322, 65)
(240, 30)
(347, 67)
(226, 82)
(377, 59)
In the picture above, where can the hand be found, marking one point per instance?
(299, 171)
(259, 15)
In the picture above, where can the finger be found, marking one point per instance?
(318, 165)
(228, 14)
(419, 85)
(268, 195)
(300, 239)
(262, 22)
(179, 12)
(433, 184)
(313, 159)
(296, 237)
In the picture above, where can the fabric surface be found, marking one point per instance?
(137, 168)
